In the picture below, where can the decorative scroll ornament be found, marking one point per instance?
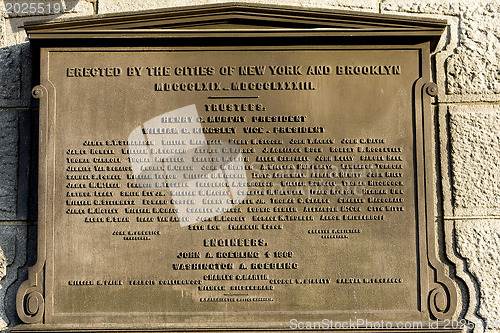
(38, 92)
(30, 300)
(431, 89)
(440, 304)
(442, 301)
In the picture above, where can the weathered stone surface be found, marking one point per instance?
(14, 21)
(13, 243)
(446, 7)
(473, 67)
(2, 32)
(15, 79)
(479, 243)
(475, 156)
(8, 163)
(111, 6)
(3, 272)
(3, 265)
(10, 75)
(16, 8)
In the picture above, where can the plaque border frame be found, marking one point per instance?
(315, 27)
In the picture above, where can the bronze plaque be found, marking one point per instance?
(252, 186)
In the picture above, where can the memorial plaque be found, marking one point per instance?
(235, 167)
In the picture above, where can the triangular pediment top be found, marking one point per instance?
(235, 16)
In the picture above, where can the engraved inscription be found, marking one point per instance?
(237, 180)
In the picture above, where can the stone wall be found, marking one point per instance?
(467, 140)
